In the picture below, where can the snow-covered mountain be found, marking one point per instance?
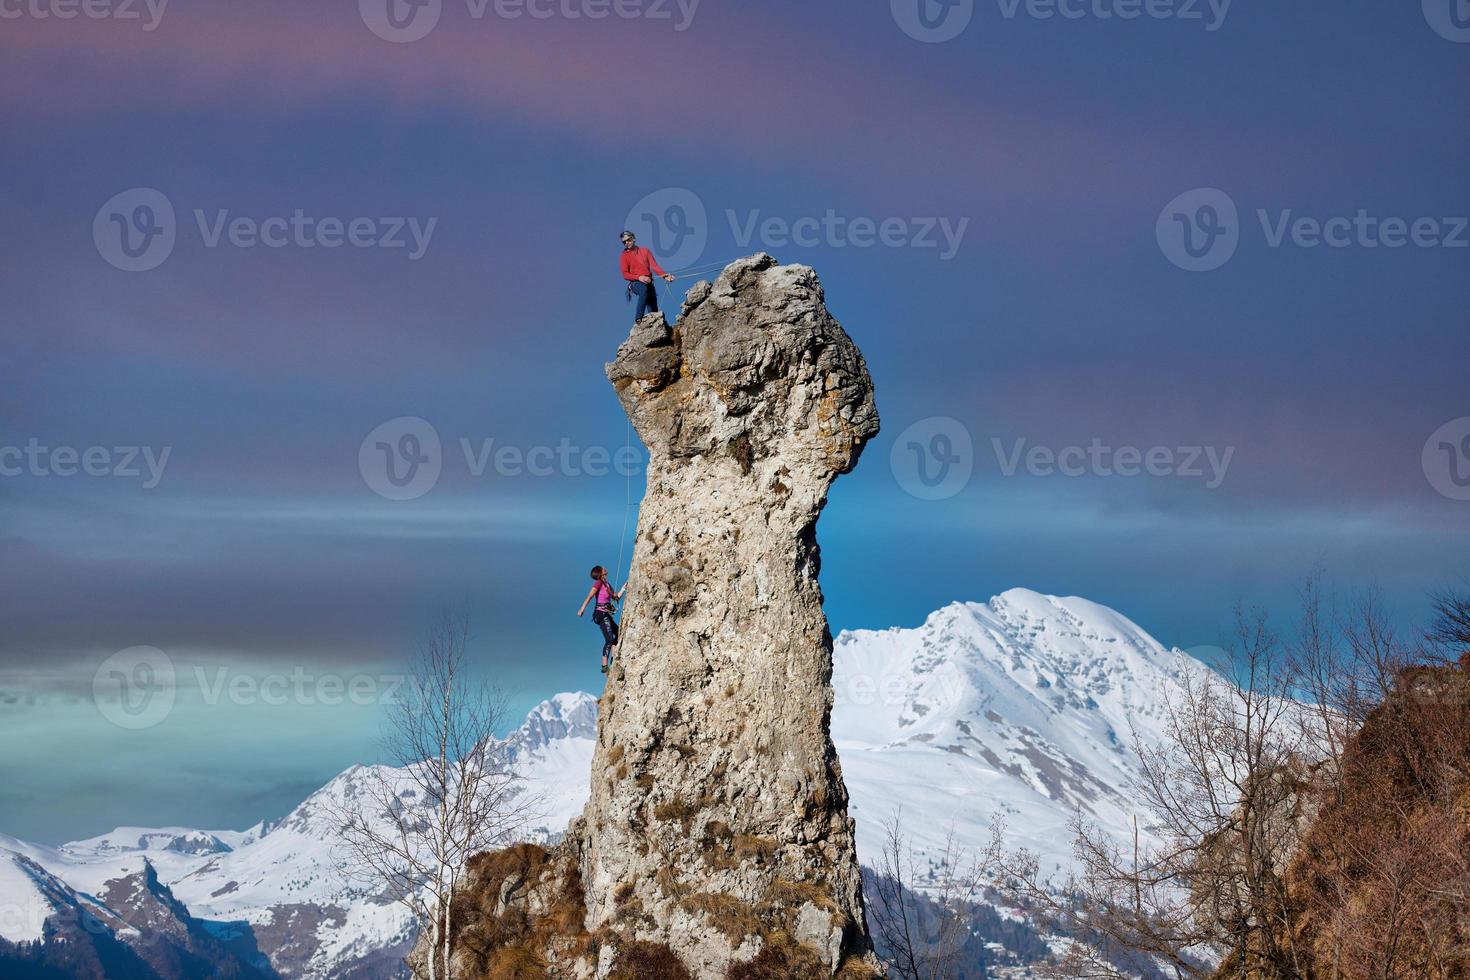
(1023, 706)
(134, 928)
(279, 887)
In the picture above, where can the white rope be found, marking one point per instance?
(706, 268)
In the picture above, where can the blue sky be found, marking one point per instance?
(1060, 319)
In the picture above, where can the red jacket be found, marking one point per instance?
(639, 262)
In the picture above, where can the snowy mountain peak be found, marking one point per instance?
(1027, 703)
(571, 715)
(180, 840)
(1023, 656)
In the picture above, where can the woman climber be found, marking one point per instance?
(602, 614)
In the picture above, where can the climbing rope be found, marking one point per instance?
(667, 290)
(669, 299)
(706, 269)
(628, 504)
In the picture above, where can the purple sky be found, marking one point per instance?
(1056, 317)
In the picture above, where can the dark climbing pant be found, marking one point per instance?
(609, 627)
(646, 293)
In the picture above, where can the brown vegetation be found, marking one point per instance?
(1382, 880)
(517, 904)
(676, 810)
(730, 915)
(1315, 818)
(781, 958)
(648, 961)
(794, 894)
(750, 845)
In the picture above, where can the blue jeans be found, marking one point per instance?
(605, 622)
(647, 295)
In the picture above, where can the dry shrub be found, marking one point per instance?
(751, 845)
(717, 842)
(790, 893)
(676, 809)
(509, 945)
(1383, 874)
(490, 869)
(648, 961)
(726, 913)
(482, 928)
(566, 913)
(854, 968)
(615, 755)
(516, 963)
(667, 880)
(781, 958)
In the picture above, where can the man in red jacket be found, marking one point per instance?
(639, 268)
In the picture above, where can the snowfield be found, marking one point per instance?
(24, 901)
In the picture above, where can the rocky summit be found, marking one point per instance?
(716, 840)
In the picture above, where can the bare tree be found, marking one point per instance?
(1451, 622)
(921, 918)
(1304, 823)
(449, 794)
(1205, 884)
(1118, 914)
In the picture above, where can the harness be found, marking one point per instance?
(604, 597)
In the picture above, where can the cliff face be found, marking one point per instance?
(715, 780)
(716, 840)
